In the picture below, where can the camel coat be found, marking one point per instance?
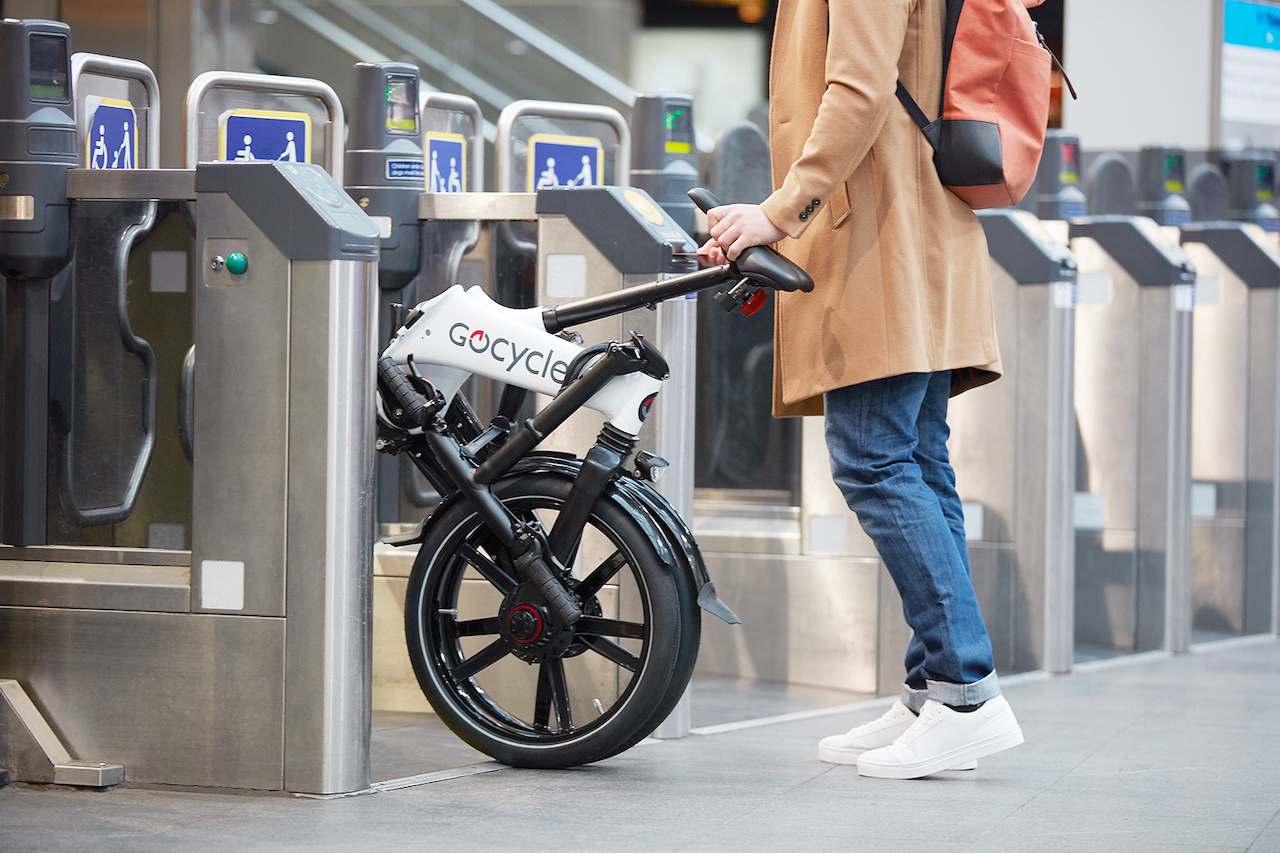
(899, 263)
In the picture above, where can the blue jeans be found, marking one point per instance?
(888, 445)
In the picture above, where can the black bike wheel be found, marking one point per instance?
(591, 693)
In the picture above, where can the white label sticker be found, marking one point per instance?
(974, 521)
(1090, 511)
(826, 534)
(1184, 297)
(1093, 288)
(222, 585)
(566, 275)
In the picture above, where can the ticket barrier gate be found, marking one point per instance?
(1013, 450)
(244, 661)
(1132, 398)
(1235, 453)
(273, 701)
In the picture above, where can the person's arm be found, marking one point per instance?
(864, 43)
(865, 39)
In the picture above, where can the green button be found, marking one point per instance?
(237, 263)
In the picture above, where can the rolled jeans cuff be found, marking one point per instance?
(913, 698)
(949, 693)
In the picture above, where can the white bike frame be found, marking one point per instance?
(462, 333)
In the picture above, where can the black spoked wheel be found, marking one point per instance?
(522, 689)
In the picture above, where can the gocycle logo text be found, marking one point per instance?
(536, 362)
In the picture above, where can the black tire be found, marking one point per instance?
(625, 667)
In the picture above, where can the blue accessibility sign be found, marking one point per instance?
(564, 161)
(447, 154)
(265, 135)
(112, 140)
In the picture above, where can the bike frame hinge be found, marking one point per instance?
(499, 429)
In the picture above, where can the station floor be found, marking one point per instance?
(1146, 753)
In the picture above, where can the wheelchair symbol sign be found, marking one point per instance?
(446, 162)
(564, 161)
(112, 141)
(265, 135)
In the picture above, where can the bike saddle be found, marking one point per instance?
(759, 264)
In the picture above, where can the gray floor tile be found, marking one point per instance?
(1171, 754)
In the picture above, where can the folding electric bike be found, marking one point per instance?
(552, 614)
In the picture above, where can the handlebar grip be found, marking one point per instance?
(703, 198)
(417, 408)
(760, 264)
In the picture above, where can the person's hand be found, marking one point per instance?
(711, 254)
(735, 227)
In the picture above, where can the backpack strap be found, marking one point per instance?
(912, 107)
(931, 129)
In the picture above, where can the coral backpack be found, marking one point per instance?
(995, 102)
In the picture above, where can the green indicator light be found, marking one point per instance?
(237, 263)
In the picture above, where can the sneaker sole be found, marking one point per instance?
(837, 756)
(950, 760)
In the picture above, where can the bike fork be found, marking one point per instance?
(602, 463)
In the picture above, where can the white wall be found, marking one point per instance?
(1144, 70)
(723, 70)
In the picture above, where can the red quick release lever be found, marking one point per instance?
(755, 303)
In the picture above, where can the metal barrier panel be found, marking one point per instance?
(1013, 450)
(104, 386)
(1132, 389)
(1234, 452)
(282, 480)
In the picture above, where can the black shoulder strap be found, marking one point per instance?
(912, 107)
(928, 128)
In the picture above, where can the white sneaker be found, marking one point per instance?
(846, 748)
(941, 738)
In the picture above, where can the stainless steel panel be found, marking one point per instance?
(984, 424)
(478, 206)
(28, 583)
(1221, 381)
(241, 393)
(1002, 596)
(96, 555)
(1107, 380)
(805, 620)
(131, 184)
(1164, 509)
(179, 699)
(1132, 391)
(1262, 468)
(330, 523)
(31, 751)
(892, 636)
(1013, 449)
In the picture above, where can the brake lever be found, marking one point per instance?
(743, 298)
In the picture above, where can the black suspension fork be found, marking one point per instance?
(603, 462)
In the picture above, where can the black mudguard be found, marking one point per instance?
(669, 533)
